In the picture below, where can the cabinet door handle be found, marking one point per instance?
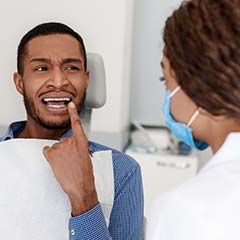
(174, 165)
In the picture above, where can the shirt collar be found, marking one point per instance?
(16, 128)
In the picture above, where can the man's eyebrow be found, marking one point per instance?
(46, 60)
(69, 60)
(64, 61)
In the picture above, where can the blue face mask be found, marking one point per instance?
(179, 130)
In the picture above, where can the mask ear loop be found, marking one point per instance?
(193, 117)
(174, 91)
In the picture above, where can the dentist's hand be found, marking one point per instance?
(72, 166)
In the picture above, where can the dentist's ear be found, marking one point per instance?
(18, 82)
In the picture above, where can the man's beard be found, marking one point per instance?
(31, 112)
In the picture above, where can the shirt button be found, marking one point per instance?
(73, 232)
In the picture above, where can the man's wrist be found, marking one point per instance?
(83, 204)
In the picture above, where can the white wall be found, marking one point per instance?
(147, 91)
(106, 28)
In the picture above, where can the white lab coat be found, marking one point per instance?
(205, 208)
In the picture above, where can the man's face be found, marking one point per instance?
(53, 76)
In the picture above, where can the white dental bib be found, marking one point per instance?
(33, 205)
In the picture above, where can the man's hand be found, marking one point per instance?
(72, 166)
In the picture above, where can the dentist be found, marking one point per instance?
(201, 67)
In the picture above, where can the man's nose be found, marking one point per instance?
(58, 78)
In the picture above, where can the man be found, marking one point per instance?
(52, 77)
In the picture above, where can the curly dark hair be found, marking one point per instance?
(43, 30)
(202, 43)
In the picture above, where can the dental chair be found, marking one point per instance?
(96, 95)
(96, 91)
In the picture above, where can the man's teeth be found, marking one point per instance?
(57, 102)
(56, 99)
(56, 106)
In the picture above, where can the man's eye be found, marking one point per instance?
(72, 68)
(41, 69)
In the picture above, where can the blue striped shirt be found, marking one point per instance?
(126, 220)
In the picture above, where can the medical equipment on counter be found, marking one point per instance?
(156, 140)
(146, 140)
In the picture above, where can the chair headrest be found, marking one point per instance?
(96, 91)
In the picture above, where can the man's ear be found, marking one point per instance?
(87, 77)
(18, 81)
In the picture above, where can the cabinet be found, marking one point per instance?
(163, 172)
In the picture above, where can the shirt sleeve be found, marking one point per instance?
(90, 225)
(126, 220)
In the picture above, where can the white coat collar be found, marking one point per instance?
(229, 151)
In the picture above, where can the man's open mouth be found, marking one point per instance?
(56, 102)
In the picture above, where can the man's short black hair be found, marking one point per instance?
(43, 30)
